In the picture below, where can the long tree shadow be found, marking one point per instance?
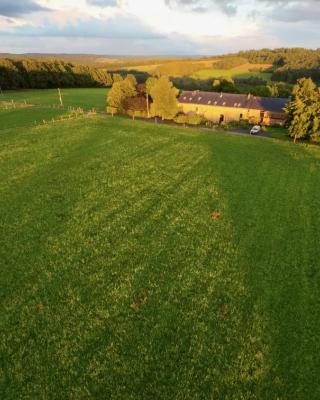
(272, 197)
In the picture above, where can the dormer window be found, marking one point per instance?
(199, 98)
(209, 102)
(184, 98)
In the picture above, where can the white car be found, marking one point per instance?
(256, 129)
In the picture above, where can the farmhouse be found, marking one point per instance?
(225, 107)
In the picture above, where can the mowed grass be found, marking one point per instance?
(116, 282)
(24, 117)
(85, 98)
(232, 73)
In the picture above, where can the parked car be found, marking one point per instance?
(256, 129)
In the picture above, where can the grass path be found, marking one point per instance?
(116, 283)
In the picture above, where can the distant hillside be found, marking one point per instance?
(98, 61)
(288, 65)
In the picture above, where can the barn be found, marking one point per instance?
(226, 107)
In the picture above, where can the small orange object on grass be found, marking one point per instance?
(224, 310)
(139, 302)
(215, 214)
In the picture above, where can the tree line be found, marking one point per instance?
(288, 65)
(34, 74)
(253, 85)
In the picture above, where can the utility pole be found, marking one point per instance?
(60, 97)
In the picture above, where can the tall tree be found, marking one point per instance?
(132, 79)
(164, 96)
(304, 111)
(150, 82)
(117, 77)
(119, 92)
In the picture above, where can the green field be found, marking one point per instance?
(84, 98)
(117, 283)
(218, 73)
(25, 117)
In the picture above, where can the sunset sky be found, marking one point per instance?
(156, 27)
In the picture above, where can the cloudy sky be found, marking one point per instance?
(156, 27)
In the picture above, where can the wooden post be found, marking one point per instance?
(148, 111)
(60, 97)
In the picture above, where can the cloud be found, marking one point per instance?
(187, 27)
(118, 27)
(294, 11)
(174, 45)
(12, 8)
(228, 7)
(281, 10)
(103, 3)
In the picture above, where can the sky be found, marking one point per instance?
(156, 27)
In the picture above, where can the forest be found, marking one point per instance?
(35, 74)
(288, 64)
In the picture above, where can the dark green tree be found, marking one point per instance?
(303, 113)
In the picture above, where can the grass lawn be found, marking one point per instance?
(84, 98)
(117, 283)
(218, 73)
(23, 117)
(278, 133)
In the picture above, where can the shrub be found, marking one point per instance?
(181, 119)
(194, 119)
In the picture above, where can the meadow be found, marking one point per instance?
(142, 261)
(231, 73)
(206, 70)
(87, 98)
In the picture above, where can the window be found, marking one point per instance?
(241, 116)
